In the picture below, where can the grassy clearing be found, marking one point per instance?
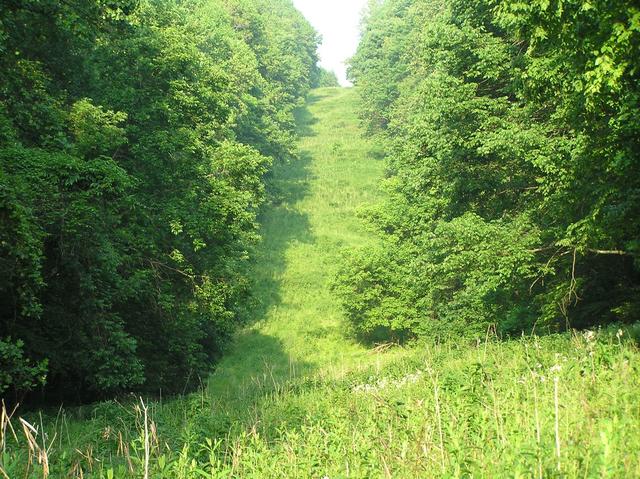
(298, 327)
(295, 397)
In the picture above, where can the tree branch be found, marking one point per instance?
(617, 252)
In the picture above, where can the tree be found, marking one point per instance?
(512, 153)
(134, 142)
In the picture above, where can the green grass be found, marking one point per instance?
(296, 397)
(298, 328)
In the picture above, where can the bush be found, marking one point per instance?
(18, 373)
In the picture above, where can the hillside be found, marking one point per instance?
(295, 397)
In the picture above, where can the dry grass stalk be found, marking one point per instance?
(145, 413)
(556, 379)
(77, 471)
(5, 423)
(87, 456)
(123, 451)
(153, 437)
(382, 347)
(385, 466)
(436, 397)
(40, 453)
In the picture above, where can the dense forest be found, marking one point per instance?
(512, 132)
(135, 136)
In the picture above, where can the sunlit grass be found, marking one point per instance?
(298, 326)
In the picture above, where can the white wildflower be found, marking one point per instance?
(385, 383)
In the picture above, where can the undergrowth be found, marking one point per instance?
(554, 406)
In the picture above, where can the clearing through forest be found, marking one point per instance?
(295, 396)
(297, 324)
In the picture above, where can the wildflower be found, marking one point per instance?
(619, 333)
(385, 383)
(555, 368)
(589, 335)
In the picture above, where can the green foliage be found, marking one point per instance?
(511, 132)
(398, 291)
(16, 371)
(95, 132)
(325, 79)
(134, 142)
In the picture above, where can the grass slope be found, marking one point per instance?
(295, 397)
(298, 326)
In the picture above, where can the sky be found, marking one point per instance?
(338, 21)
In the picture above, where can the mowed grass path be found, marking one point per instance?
(297, 325)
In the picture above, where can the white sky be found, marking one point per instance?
(338, 21)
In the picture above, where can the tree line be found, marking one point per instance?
(135, 136)
(512, 132)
